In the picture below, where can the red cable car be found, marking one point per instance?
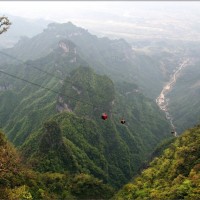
(104, 116)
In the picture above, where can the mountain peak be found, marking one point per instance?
(69, 27)
(54, 24)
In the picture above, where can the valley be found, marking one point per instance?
(162, 100)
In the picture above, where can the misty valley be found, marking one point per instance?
(85, 116)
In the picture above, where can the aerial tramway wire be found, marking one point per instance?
(56, 92)
(50, 74)
(27, 64)
(46, 72)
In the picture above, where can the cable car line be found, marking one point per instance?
(50, 74)
(38, 85)
(104, 115)
(28, 64)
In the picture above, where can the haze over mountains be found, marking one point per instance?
(132, 21)
(139, 64)
(149, 64)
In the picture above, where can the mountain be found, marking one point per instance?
(172, 175)
(19, 181)
(115, 58)
(148, 63)
(73, 104)
(51, 106)
(106, 56)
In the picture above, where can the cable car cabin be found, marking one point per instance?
(123, 121)
(104, 116)
(172, 132)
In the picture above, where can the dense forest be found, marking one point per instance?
(175, 174)
(19, 181)
(88, 143)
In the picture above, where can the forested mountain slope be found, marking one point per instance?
(173, 175)
(19, 181)
(82, 96)
(148, 63)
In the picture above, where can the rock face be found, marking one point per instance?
(62, 106)
(67, 46)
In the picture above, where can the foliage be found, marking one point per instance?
(173, 175)
(86, 86)
(85, 187)
(52, 138)
(19, 193)
(18, 181)
(9, 160)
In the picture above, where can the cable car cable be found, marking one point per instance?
(50, 74)
(56, 92)
(104, 115)
(28, 64)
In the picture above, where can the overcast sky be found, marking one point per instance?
(59, 10)
(128, 18)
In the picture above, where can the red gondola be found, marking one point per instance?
(104, 116)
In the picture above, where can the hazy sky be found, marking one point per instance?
(128, 18)
(59, 10)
